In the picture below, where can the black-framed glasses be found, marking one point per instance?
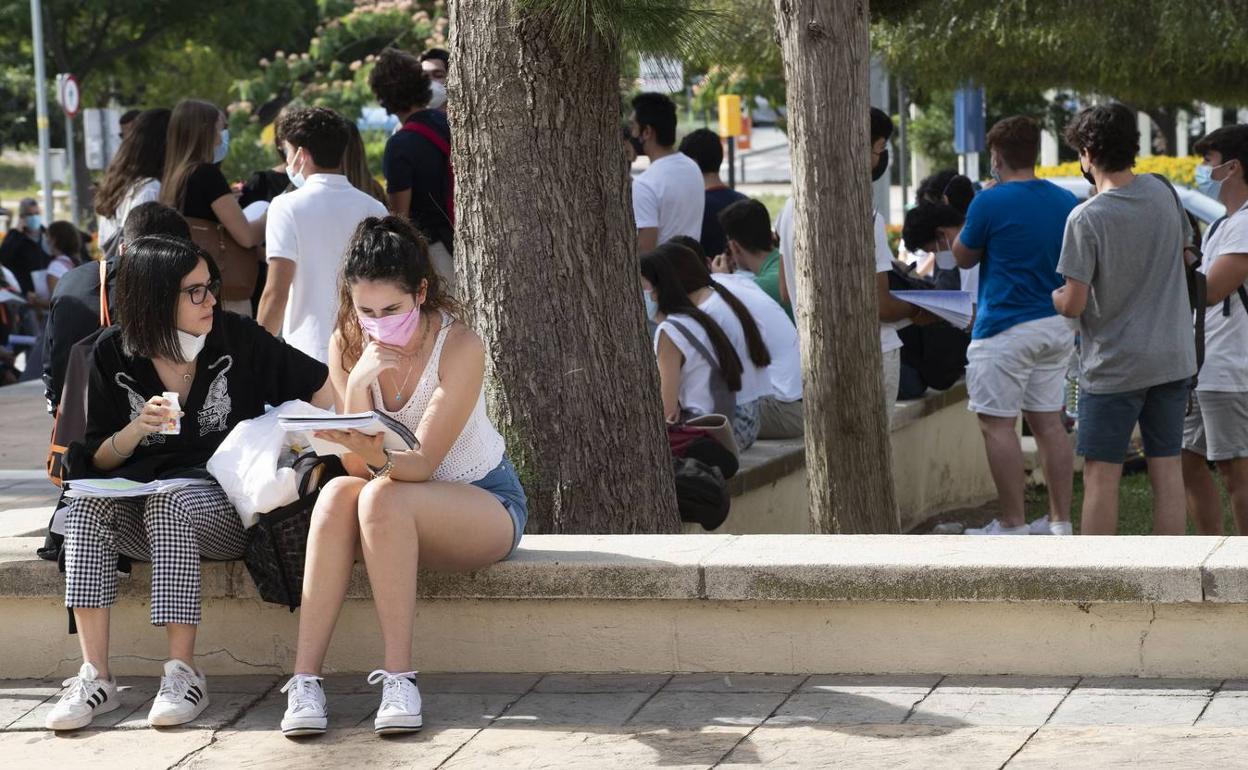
(199, 292)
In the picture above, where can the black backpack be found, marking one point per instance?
(701, 492)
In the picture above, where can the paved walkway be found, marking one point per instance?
(695, 720)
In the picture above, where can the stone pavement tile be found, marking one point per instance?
(1130, 748)
(136, 694)
(346, 710)
(882, 706)
(601, 682)
(100, 748)
(869, 682)
(448, 709)
(991, 701)
(1092, 708)
(1009, 682)
(1235, 686)
(734, 683)
(535, 749)
(255, 685)
(18, 697)
(886, 747)
(223, 708)
(355, 747)
(1127, 685)
(499, 684)
(1227, 709)
(704, 709)
(592, 710)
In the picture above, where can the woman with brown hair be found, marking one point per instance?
(452, 503)
(133, 176)
(355, 166)
(193, 183)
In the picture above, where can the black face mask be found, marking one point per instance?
(1088, 176)
(639, 146)
(880, 166)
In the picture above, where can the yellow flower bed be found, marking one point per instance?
(1177, 170)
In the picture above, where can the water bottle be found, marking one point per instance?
(174, 425)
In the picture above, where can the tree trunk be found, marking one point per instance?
(848, 462)
(546, 266)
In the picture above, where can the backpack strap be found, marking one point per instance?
(723, 399)
(105, 320)
(437, 140)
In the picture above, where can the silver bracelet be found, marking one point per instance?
(112, 442)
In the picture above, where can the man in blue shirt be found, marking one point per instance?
(1020, 348)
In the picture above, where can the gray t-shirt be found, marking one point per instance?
(1136, 330)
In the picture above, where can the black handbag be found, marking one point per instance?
(278, 543)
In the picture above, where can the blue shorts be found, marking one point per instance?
(1106, 421)
(504, 484)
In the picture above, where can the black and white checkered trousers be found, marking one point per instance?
(172, 530)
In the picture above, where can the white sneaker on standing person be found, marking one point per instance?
(669, 197)
(308, 230)
(1216, 430)
(1020, 348)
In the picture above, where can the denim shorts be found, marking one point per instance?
(504, 484)
(1106, 421)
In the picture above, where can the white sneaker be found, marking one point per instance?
(183, 696)
(1040, 526)
(305, 706)
(87, 696)
(1061, 528)
(994, 528)
(400, 703)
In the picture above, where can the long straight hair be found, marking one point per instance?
(690, 264)
(141, 156)
(192, 136)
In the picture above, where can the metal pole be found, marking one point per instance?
(732, 162)
(41, 106)
(71, 158)
(903, 107)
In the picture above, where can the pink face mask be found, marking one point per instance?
(395, 330)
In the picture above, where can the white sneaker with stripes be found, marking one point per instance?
(183, 696)
(87, 696)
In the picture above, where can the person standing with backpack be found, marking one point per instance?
(417, 160)
(1216, 429)
(1123, 260)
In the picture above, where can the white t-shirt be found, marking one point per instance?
(778, 332)
(889, 340)
(671, 196)
(142, 191)
(695, 372)
(970, 283)
(1226, 337)
(784, 229)
(311, 227)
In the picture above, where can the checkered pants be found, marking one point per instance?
(746, 421)
(173, 530)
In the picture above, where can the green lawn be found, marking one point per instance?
(1135, 507)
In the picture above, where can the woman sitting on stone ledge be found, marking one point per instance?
(173, 338)
(453, 503)
(712, 358)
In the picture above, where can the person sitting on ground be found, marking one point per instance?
(452, 503)
(707, 150)
(416, 162)
(76, 311)
(199, 141)
(133, 175)
(712, 357)
(780, 414)
(224, 368)
(751, 248)
(309, 229)
(669, 196)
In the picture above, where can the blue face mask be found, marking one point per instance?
(34, 222)
(223, 149)
(652, 307)
(1205, 181)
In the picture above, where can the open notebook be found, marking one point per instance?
(398, 436)
(952, 306)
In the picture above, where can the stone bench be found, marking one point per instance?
(781, 603)
(938, 465)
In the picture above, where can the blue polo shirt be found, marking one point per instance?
(1019, 226)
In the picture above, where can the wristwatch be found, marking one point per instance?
(384, 470)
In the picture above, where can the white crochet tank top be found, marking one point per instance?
(479, 448)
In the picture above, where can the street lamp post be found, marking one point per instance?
(41, 106)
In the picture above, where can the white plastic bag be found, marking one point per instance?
(253, 464)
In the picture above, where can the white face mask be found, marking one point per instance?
(191, 345)
(439, 95)
(296, 178)
(944, 257)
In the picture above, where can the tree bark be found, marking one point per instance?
(545, 264)
(848, 461)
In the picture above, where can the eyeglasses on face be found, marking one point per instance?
(199, 292)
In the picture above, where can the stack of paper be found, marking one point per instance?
(8, 296)
(126, 487)
(952, 306)
(397, 435)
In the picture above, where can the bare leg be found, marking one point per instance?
(1100, 498)
(1236, 474)
(181, 642)
(1056, 458)
(1165, 474)
(1005, 460)
(327, 569)
(450, 527)
(1203, 504)
(93, 637)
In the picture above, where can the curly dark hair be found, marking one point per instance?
(399, 82)
(922, 221)
(320, 131)
(1231, 142)
(1109, 133)
(1016, 140)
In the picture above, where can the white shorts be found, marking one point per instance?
(1021, 369)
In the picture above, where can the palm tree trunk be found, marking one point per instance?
(544, 255)
(848, 460)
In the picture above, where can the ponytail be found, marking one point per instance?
(753, 338)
